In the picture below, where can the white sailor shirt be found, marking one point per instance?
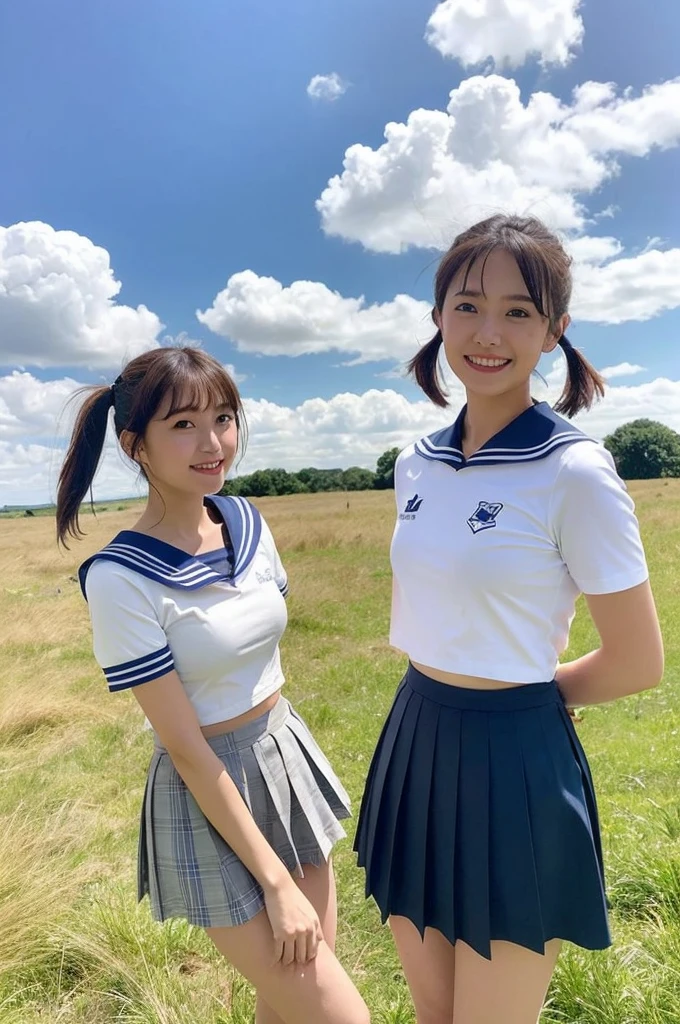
(216, 619)
(490, 553)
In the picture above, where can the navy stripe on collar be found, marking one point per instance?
(532, 435)
(173, 567)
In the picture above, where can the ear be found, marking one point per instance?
(436, 316)
(552, 339)
(126, 441)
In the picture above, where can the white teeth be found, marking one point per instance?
(481, 361)
(208, 465)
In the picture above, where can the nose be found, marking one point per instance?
(210, 442)
(488, 334)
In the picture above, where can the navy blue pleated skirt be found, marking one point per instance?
(479, 818)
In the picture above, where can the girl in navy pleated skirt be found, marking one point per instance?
(478, 829)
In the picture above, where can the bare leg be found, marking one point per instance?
(318, 885)
(429, 969)
(319, 992)
(510, 987)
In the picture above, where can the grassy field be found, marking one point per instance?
(74, 946)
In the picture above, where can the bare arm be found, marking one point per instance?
(630, 657)
(294, 922)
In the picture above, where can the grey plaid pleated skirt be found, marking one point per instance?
(185, 866)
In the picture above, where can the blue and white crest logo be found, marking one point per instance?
(484, 517)
(412, 506)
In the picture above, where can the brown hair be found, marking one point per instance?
(189, 376)
(545, 268)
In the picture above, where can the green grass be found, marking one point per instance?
(75, 948)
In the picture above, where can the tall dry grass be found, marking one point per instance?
(74, 946)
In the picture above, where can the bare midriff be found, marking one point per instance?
(469, 682)
(232, 724)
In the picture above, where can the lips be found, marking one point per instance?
(209, 468)
(487, 364)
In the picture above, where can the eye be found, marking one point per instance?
(465, 307)
(182, 424)
(518, 314)
(225, 417)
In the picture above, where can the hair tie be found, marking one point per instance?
(564, 343)
(112, 389)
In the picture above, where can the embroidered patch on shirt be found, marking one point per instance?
(412, 506)
(484, 517)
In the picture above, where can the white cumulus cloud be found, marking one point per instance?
(490, 152)
(327, 87)
(260, 315)
(631, 288)
(506, 32)
(57, 302)
(29, 406)
(621, 370)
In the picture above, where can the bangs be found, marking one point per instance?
(197, 388)
(529, 258)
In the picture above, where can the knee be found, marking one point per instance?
(434, 1013)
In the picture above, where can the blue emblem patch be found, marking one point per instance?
(484, 517)
(412, 506)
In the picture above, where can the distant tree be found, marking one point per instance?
(357, 479)
(645, 450)
(384, 471)
(321, 479)
(265, 483)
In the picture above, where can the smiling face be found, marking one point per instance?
(493, 333)
(188, 451)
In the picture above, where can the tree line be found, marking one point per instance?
(271, 482)
(642, 449)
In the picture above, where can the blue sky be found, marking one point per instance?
(181, 140)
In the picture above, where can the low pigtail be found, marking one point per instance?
(425, 368)
(583, 383)
(82, 459)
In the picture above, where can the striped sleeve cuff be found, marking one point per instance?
(141, 670)
(283, 585)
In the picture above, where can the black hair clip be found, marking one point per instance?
(117, 381)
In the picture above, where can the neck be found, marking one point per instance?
(485, 416)
(175, 517)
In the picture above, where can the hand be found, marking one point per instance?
(295, 923)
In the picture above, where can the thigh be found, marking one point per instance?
(510, 987)
(318, 886)
(429, 969)
(319, 992)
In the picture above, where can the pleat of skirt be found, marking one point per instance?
(186, 867)
(479, 818)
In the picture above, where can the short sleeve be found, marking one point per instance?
(129, 642)
(280, 574)
(594, 523)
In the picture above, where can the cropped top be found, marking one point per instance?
(216, 618)
(490, 553)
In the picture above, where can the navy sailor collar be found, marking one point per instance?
(532, 435)
(173, 567)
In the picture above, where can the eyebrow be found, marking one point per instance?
(505, 298)
(195, 408)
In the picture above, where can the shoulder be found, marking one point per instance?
(266, 536)
(102, 578)
(406, 457)
(585, 461)
(587, 486)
